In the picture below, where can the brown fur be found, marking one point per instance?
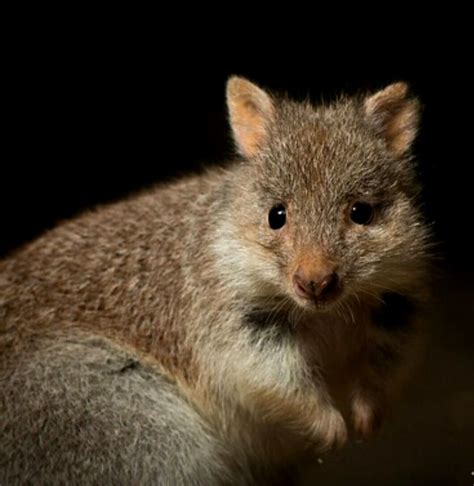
(188, 285)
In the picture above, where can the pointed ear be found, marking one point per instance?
(251, 111)
(394, 115)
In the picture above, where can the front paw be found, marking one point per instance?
(330, 430)
(367, 416)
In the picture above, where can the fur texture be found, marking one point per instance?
(160, 339)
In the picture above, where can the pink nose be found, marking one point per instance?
(314, 284)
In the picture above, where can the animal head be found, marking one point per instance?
(325, 197)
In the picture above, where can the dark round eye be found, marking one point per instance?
(277, 217)
(362, 213)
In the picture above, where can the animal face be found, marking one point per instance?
(328, 197)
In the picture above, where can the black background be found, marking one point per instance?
(103, 107)
(95, 115)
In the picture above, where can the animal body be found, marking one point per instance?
(215, 329)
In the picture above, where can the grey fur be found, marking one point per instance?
(76, 411)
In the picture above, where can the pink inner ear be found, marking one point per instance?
(251, 111)
(249, 130)
(401, 132)
(394, 116)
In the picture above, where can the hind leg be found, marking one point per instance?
(79, 411)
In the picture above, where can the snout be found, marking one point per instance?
(318, 282)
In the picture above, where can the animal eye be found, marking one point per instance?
(362, 213)
(277, 217)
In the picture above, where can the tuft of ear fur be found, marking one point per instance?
(251, 111)
(395, 116)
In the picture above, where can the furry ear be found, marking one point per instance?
(395, 116)
(251, 111)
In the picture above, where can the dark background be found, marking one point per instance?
(98, 112)
(95, 117)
